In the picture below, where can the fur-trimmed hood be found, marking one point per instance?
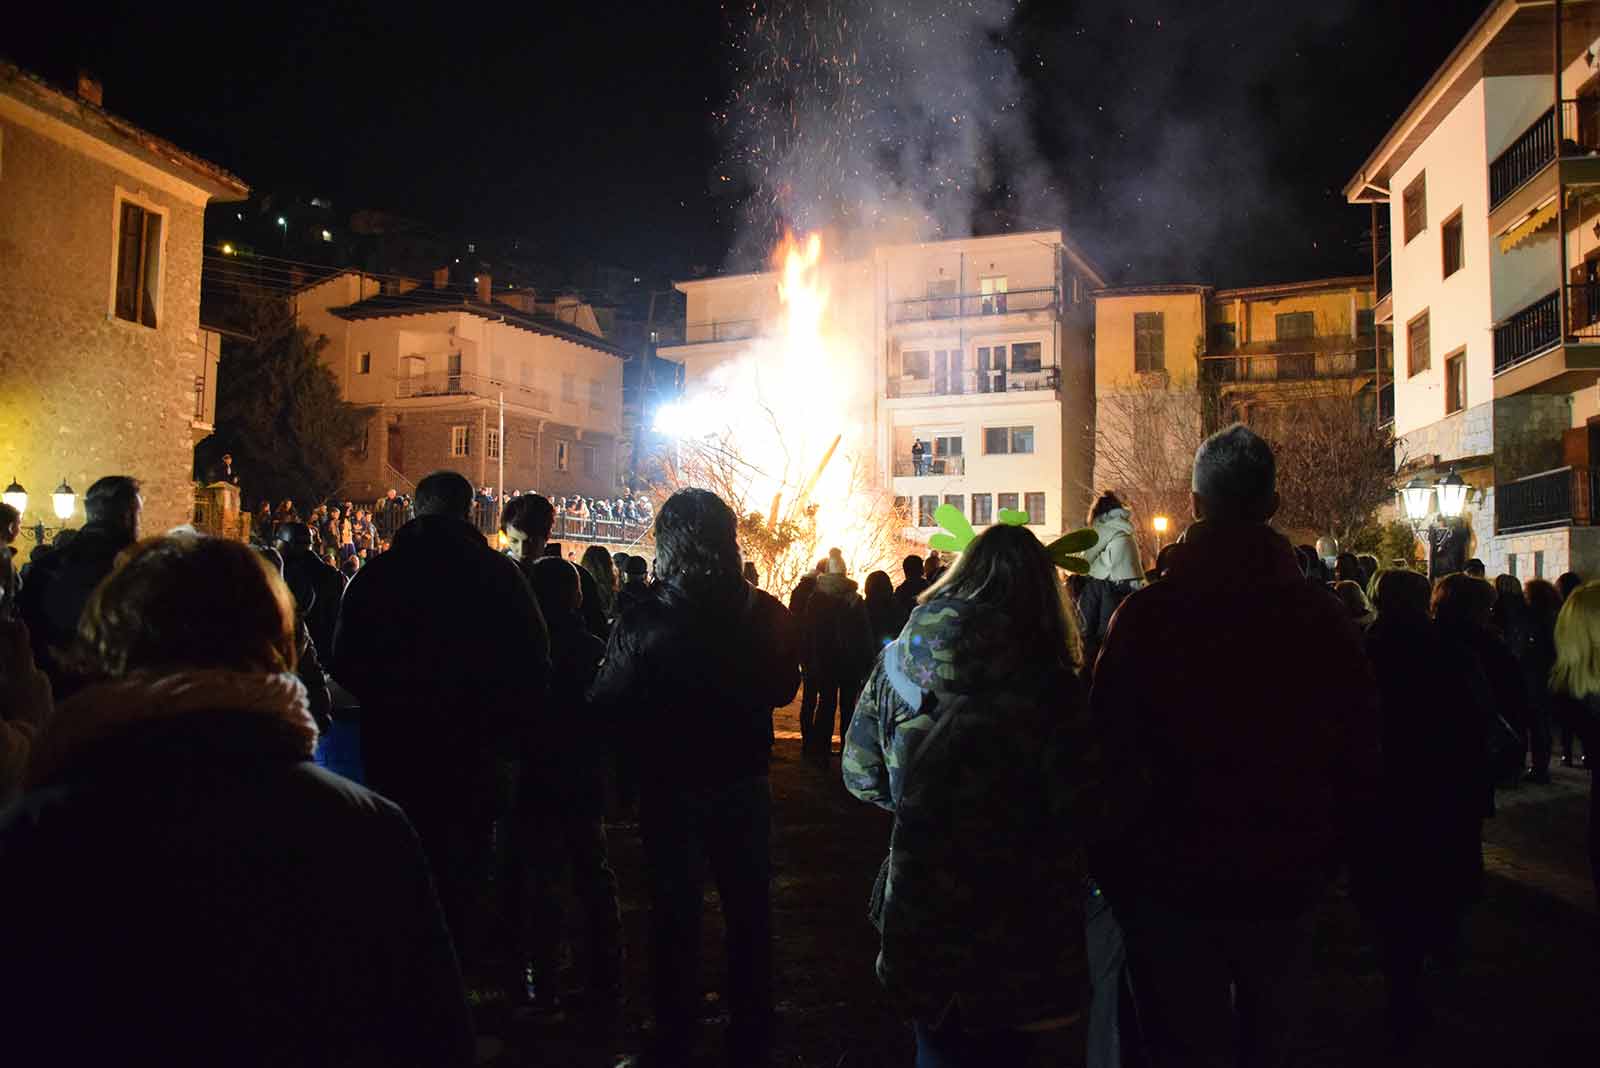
(259, 714)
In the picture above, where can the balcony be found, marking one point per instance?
(1528, 332)
(445, 384)
(1386, 404)
(720, 330)
(1383, 280)
(1267, 367)
(972, 305)
(1521, 178)
(1559, 498)
(931, 467)
(974, 383)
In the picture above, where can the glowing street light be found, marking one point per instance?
(64, 500)
(1159, 525)
(15, 496)
(1452, 490)
(1417, 495)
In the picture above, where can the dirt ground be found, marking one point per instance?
(1525, 992)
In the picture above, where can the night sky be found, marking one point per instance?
(1181, 141)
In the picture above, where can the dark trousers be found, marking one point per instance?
(1215, 991)
(460, 851)
(1409, 936)
(1538, 736)
(808, 708)
(556, 836)
(832, 695)
(948, 1046)
(728, 829)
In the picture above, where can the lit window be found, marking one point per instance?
(326, 236)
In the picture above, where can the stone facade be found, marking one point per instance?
(1466, 433)
(87, 394)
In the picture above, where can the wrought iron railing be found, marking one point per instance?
(1528, 332)
(1565, 496)
(1583, 312)
(1386, 404)
(719, 330)
(955, 384)
(964, 305)
(930, 466)
(1529, 154)
(445, 384)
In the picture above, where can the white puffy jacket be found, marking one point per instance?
(1115, 557)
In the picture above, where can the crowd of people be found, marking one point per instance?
(1076, 835)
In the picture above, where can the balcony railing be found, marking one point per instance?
(1539, 146)
(1563, 497)
(1291, 367)
(960, 383)
(721, 330)
(1384, 279)
(931, 467)
(1583, 312)
(1527, 333)
(1386, 404)
(972, 305)
(445, 384)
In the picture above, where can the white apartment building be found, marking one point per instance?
(979, 348)
(434, 364)
(1489, 184)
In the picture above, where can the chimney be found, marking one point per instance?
(441, 277)
(485, 289)
(89, 90)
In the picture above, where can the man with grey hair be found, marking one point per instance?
(1239, 723)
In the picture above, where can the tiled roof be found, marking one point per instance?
(430, 301)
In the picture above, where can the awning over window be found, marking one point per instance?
(1525, 229)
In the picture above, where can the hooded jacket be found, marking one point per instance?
(443, 644)
(982, 754)
(1115, 557)
(185, 883)
(1237, 707)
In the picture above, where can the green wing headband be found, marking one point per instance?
(958, 534)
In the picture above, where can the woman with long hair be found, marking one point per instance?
(183, 777)
(971, 729)
(878, 592)
(597, 561)
(1538, 657)
(1575, 689)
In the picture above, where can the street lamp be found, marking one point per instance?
(1159, 525)
(15, 496)
(1417, 495)
(64, 500)
(1452, 490)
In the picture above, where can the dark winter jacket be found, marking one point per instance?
(184, 887)
(984, 757)
(1242, 696)
(58, 587)
(564, 751)
(443, 644)
(905, 597)
(630, 593)
(838, 643)
(1507, 683)
(800, 596)
(690, 680)
(317, 590)
(1424, 851)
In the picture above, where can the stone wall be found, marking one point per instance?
(85, 394)
(1466, 433)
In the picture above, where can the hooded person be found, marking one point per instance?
(1114, 557)
(838, 652)
(180, 865)
(973, 730)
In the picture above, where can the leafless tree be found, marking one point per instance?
(1146, 433)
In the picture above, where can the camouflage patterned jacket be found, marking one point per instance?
(983, 907)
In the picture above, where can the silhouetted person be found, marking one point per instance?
(441, 641)
(1474, 568)
(635, 584)
(838, 652)
(206, 893)
(59, 585)
(690, 679)
(526, 523)
(559, 823)
(223, 471)
(10, 574)
(910, 588)
(1423, 862)
(1240, 693)
(317, 587)
(878, 592)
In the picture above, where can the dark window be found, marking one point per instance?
(364, 363)
(1149, 341)
(1511, 565)
(1415, 206)
(957, 499)
(1035, 508)
(1294, 326)
(982, 509)
(138, 264)
(947, 446)
(1026, 356)
(1364, 322)
(1538, 563)
(926, 505)
(1455, 382)
(1223, 337)
(1022, 439)
(1450, 236)
(996, 439)
(1007, 500)
(1418, 358)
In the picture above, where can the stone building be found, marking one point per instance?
(104, 365)
(433, 363)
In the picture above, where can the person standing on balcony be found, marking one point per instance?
(919, 457)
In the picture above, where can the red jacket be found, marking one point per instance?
(1239, 719)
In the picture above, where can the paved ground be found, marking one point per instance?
(1525, 993)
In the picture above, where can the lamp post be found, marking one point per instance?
(63, 501)
(1417, 495)
(16, 496)
(1159, 525)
